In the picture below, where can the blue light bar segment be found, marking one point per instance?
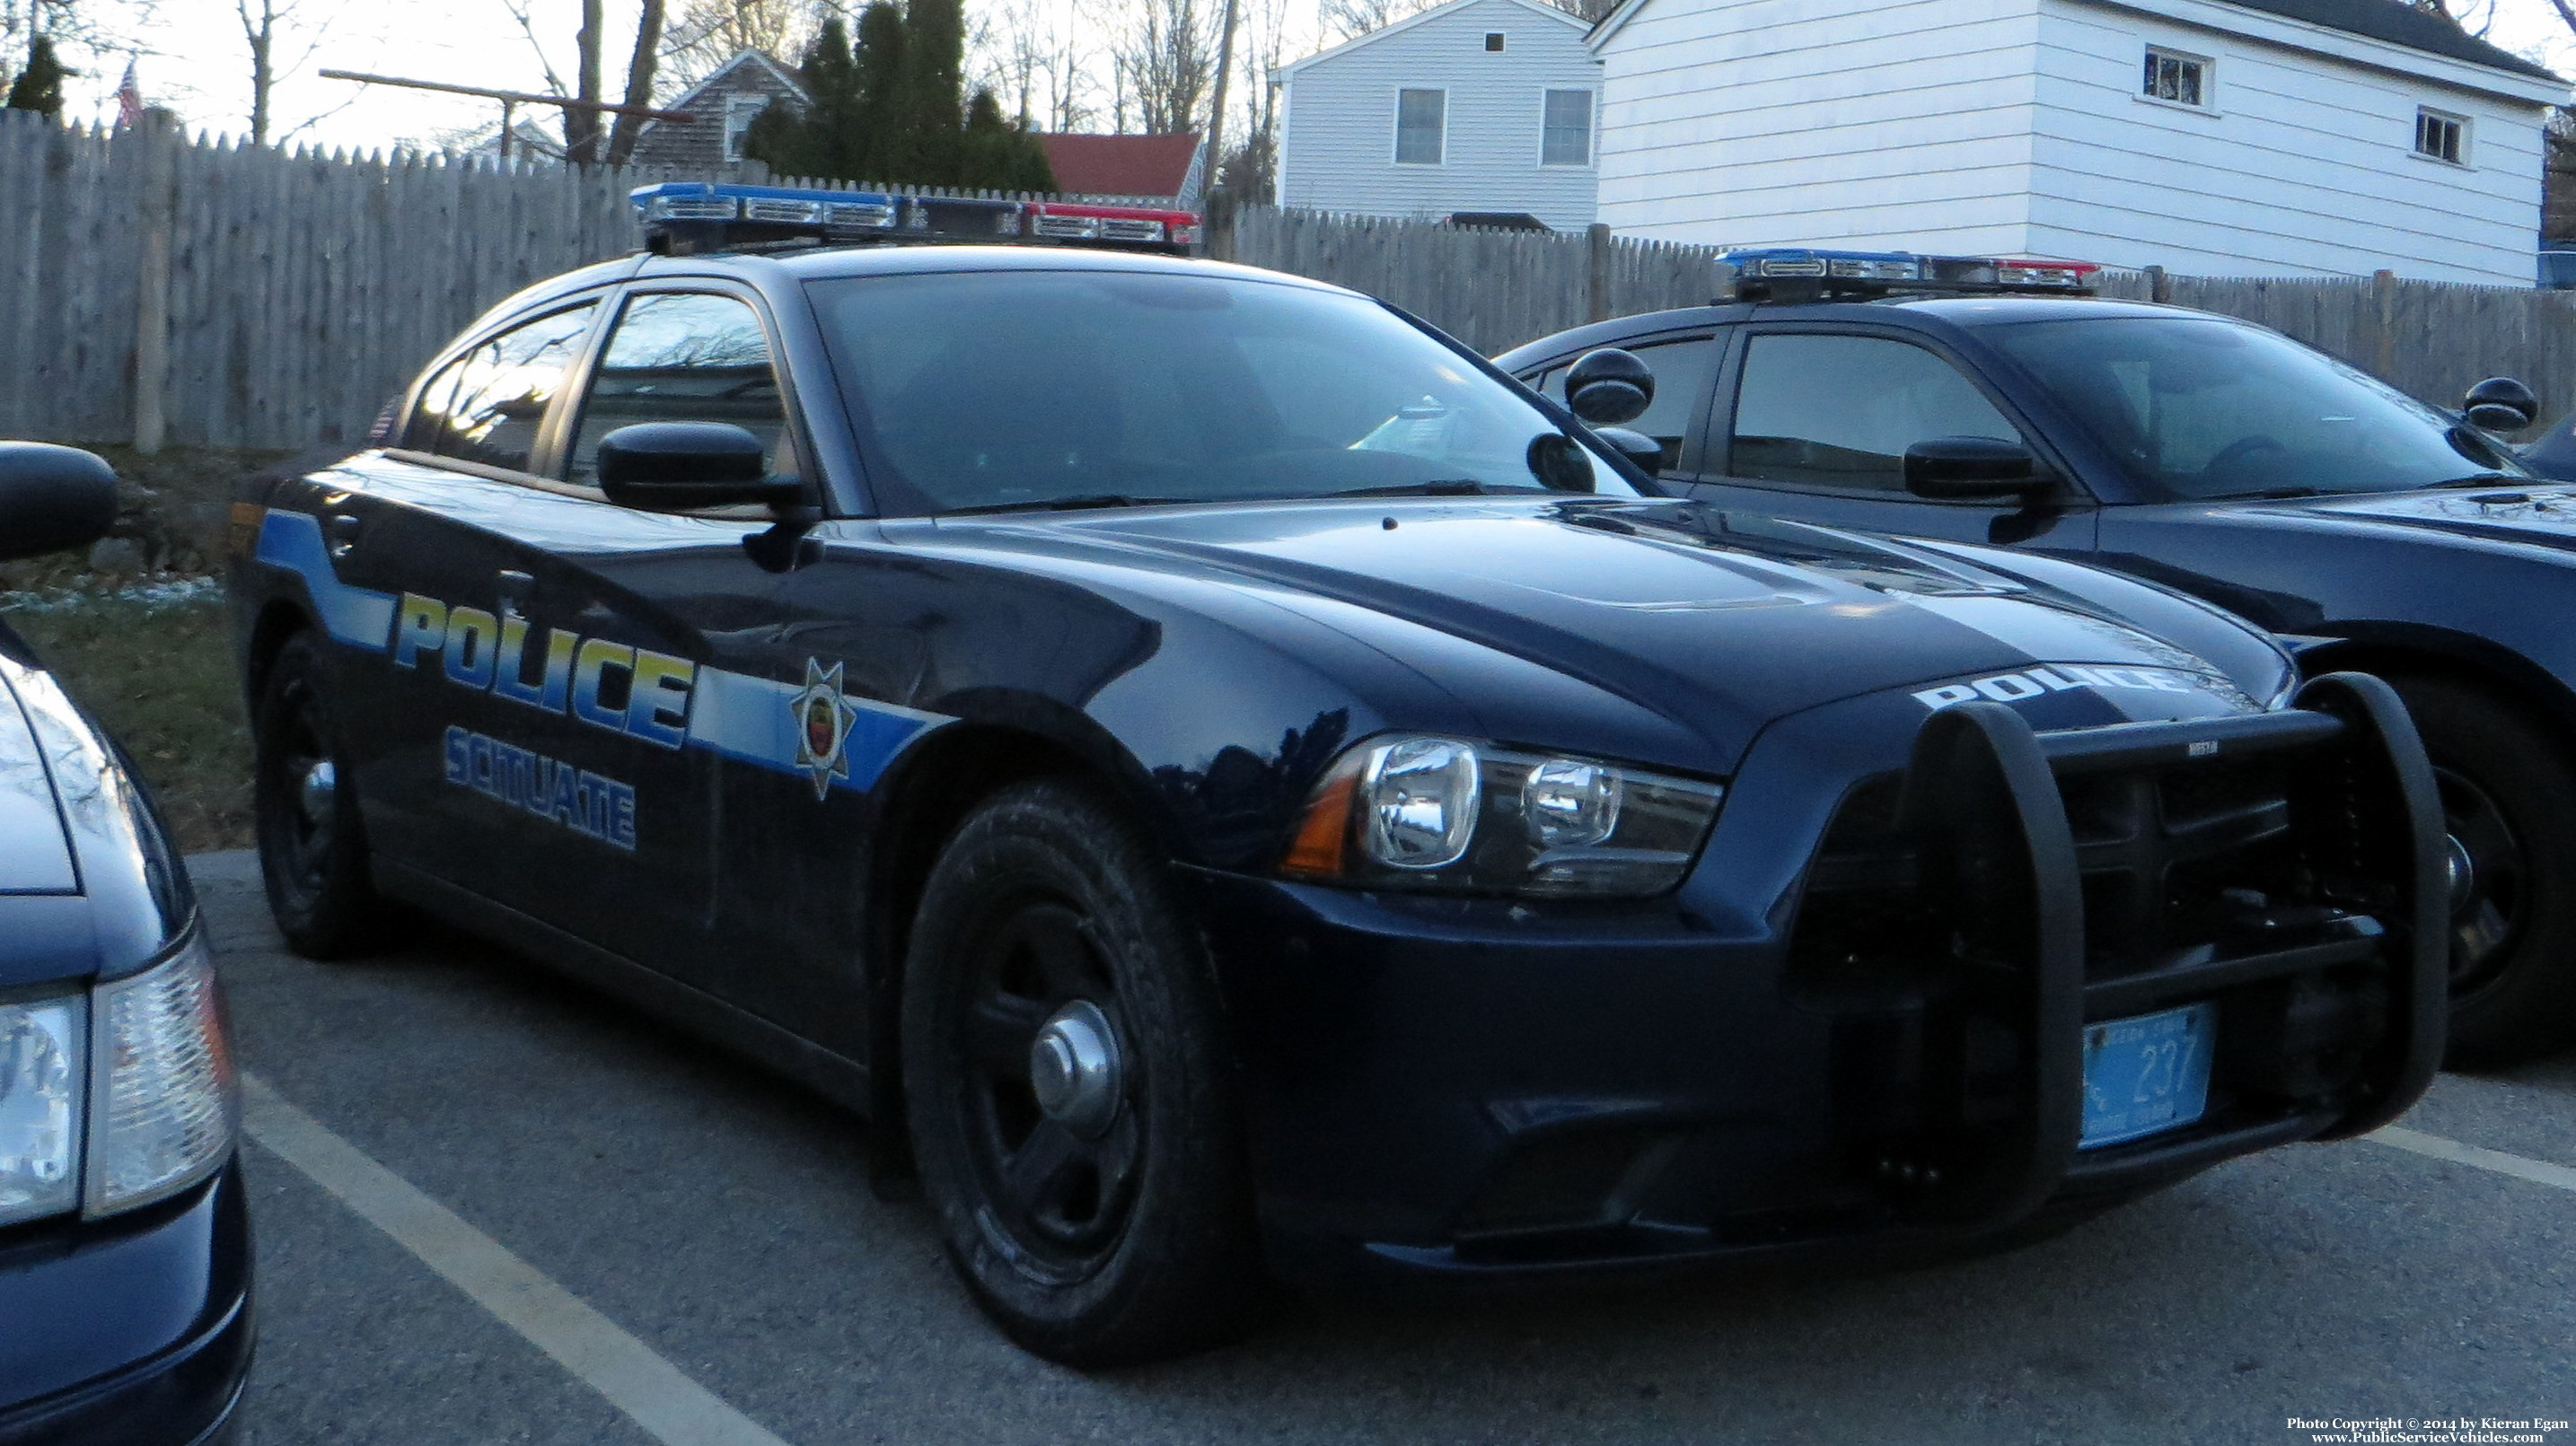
(1800, 261)
(833, 211)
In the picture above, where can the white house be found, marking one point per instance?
(1476, 105)
(2211, 137)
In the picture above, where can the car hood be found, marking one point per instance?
(89, 885)
(2541, 514)
(1719, 621)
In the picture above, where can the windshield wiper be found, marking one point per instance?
(1082, 503)
(2482, 479)
(2274, 494)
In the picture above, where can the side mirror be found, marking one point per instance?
(1609, 386)
(2501, 404)
(1637, 447)
(678, 466)
(1961, 469)
(52, 498)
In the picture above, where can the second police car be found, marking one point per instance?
(1238, 790)
(2203, 453)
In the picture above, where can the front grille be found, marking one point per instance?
(2271, 864)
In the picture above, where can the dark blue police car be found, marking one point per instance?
(2201, 453)
(125, 1315)
(1235, 788)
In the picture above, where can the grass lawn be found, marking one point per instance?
(159, 676)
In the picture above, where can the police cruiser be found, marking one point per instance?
(1235, 790)
(1995, 400)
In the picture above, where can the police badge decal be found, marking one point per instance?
(822, 718)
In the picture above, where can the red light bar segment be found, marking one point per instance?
(1136, 225)
(2041, 271)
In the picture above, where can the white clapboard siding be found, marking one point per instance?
(2302, 165)
(2014, 126)
(1759, 122)
(1337, 144)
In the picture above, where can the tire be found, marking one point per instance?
(312, 848)
(1115, 1228)
(2509, 805)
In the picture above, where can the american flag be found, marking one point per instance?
(129, 99)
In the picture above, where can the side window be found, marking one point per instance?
(1683, 371)
(1839, 411)
(487, 405)
(683, 357)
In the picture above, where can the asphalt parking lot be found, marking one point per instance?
(457, 1160)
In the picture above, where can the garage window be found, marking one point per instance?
(1421, 126)
(1566, 136)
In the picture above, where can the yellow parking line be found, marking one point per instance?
(2539, 1172)
(650, 1390)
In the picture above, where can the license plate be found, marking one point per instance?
(2146, 1074)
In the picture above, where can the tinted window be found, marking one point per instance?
(1839, 411)
(683, 358)
(487, 405)
(1683, 371)
(2190, 408)
(1015, 388)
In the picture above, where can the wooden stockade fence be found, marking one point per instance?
(271, 298)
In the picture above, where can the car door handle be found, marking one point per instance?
(518, 592)
(343, 529)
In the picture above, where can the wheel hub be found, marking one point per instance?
(314, 790)
(1076, 1069)
(2462, 870)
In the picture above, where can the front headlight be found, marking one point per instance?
(41, 1075)
(165, 1112)
(1416, 812)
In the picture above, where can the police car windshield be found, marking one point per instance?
(2194, 409)
(1018, 389)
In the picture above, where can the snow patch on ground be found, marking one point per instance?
(150, 593)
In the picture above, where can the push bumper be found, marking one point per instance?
(133, 1332)
(1480, 1088)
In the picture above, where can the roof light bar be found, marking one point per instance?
(683, 218)
(1798, 273)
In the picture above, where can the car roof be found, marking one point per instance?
(1958, 311)
(829, 263)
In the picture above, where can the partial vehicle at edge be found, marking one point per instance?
(125, 1257)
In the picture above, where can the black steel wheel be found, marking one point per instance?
(1069, 1095)
(312, 851)
(2509, 807)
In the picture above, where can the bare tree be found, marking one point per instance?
(1350, 19)
(272, 29)
(581, 127)
(640, 67)
(1164, 54)
(704, 34)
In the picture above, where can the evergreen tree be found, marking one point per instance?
(889, 107)
(887, 150)
(40, 85)
(934, 102)
(1000, 154)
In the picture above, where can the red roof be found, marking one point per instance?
(1120, 165)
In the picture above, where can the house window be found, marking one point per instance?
(1566, 133)
(1494, 41)
(1421, 126)
(2442, 136)
(2182, 79)
(740, 112)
